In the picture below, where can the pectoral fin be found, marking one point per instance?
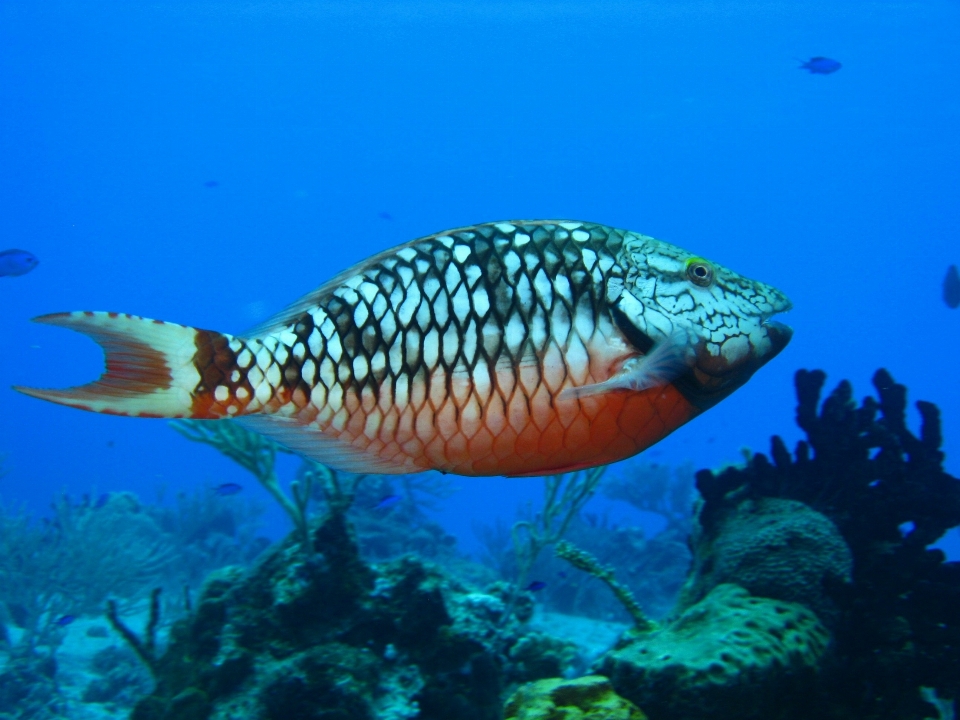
(665, 362)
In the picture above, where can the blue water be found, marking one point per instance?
(209, 162)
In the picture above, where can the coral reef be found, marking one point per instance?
(731, 656)
(586, 698)
(324, 634)
(896, 627)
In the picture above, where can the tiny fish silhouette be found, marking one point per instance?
(821, 65)
(536, 586)
(227, 489)
(388, 502)
(17, 262)
(211, 183)
(384, 215)
(951, 288)
(511, 348)
(64, 620)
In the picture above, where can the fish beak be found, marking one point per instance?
(713, 378)
(779, 335)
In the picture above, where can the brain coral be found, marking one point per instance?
(775, 548)
(730, 656)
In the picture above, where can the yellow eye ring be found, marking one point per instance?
(700, 272)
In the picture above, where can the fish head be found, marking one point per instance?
(720, 321)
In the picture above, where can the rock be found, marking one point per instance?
(326, 635)
(730, 656)
(586, 698)
(774, 548)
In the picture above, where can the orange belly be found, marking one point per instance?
(513, 435)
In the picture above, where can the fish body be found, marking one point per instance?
(951, 288)
(388, 502)
(17, 262)
(821, 65)
(227, 489)
(512, 348)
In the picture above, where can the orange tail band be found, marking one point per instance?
(151, 368)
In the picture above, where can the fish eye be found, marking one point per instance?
(700, 272)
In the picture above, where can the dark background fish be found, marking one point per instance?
(821, 65)
(17, 262)
(951, 287)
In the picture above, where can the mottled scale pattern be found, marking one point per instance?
(451, 352)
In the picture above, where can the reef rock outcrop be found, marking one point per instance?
(324, 635)
(586, 698)
(730, 656)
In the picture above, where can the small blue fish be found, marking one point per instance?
(951, 288)
(388, 502)
(821, 65)
(17, 262)
(384, 215)
(64, 620)
(536, 586)
(211, 183)
(227, 489)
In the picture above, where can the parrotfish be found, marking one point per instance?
(510, 348)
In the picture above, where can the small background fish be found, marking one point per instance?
(821, 65)
(17, 262)
(227, 489)
(951, 287)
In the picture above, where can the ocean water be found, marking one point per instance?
(210, 162)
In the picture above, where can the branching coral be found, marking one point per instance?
(886, 492)
(587, 563)
(258, 454)
(72, 563)
(566, 496)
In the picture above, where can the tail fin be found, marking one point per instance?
(153, 368)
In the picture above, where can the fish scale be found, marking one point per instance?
(462, 351)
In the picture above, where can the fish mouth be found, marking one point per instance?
(779, 335)
(712, 379)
